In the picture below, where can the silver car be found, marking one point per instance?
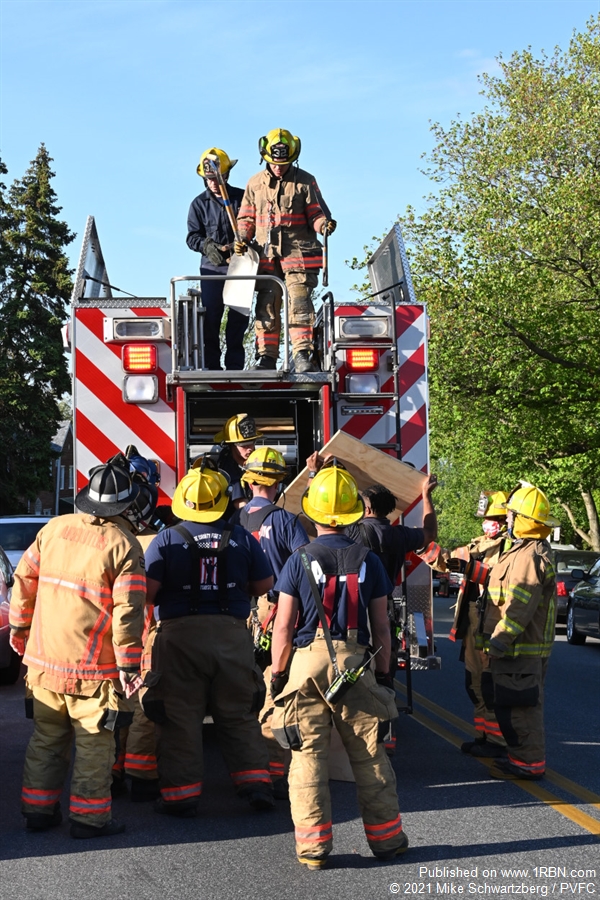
(17, 533)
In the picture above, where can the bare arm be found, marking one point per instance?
(429, 517)
(283, 631)
(152, 589)
(380, 632)
(258, 588)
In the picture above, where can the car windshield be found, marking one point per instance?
(19, 535)
(566, 562)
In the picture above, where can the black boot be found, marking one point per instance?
(82, 831)
(144, 789)
(43, 821)
(265, 362)
(303, 362)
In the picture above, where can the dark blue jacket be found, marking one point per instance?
(208, 218)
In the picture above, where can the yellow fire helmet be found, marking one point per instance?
(225, 164)
(201, 495)
(532, 503)
(240, 429)
(492, 504)
(279, 147)
(264, 466)
(332, 497)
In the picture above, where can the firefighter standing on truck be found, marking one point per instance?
(238, 438)
(200, 575)
(76, 613)
(518, 633)
(283, 211)
(354, 586)
(210, 233)
(485, 548)
(279, 533)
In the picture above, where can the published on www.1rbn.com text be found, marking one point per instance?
(560, 881)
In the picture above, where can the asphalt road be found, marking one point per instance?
(455, 815)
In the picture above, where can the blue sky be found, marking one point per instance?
(126, 94)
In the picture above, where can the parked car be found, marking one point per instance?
(566, 561)
(583, 611)
(10, 662)
(17, 533)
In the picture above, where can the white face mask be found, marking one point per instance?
(491, 528)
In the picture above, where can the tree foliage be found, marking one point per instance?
(507, 257)
(35, 284)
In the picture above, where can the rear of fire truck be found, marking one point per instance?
(139, 378)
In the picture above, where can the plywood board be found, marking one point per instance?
(369, 466)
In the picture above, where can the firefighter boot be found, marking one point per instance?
(397, 851)
(143, 790)
(303, 362)
(265, 362)
(81, 831)
(42, 821)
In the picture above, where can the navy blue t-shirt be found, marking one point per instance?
(372, 582)
(169, 561)
(280, 534)
(390, 542)
(235, 472)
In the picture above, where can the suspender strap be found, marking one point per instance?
(198, 553)
(320, 610)
(253, 521)
(352, 602)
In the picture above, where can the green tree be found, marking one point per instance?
(35, 285)
(507, 257)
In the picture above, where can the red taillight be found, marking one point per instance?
(561, 589)
(362, 360)
(139, 358)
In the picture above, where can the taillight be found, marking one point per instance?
(362, 360)
(140, 358)
(561, 589)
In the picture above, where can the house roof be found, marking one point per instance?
(58, 441)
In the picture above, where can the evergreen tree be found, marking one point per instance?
(35, 285)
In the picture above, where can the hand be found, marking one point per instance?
(240, 247)
(430, 485)
(18, 644)
(314, 462)
(328, 226)
(131, 682)
(213, 252)
(456, 565)
(278, 682)
(384, 679)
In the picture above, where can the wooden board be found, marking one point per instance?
(368, 466)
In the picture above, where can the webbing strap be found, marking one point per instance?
(320, 610)
(199, 553)
(253, 521)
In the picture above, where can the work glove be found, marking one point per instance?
(329, 226)
(278, 682)
(456, 565)
(384, 679)
(18, 643)
(212, 251)
(240, 247)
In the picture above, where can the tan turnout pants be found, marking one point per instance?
(484, 718)
(202, 660)
(519, 706)
(267, 327)
(357, 717)
(58, 719)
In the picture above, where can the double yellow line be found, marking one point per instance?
(589, 823)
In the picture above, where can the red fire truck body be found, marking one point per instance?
(138, 378)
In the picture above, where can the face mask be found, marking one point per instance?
(491, 528)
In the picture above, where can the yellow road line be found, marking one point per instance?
(588, 823)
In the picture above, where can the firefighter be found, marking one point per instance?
(518, 633)
(238, 438)
(283, 210)
(210, 233)
(279, 533)
(76, 614)
(354, 586)
(485, 548)
(200, 574)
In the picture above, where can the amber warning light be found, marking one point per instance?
(139, 358)
(362, 360)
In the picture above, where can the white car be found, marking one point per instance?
(17, 533)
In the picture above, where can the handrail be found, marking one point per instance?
(174, 331)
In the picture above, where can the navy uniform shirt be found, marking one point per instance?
(169, 561)
(208, 218)
(234, 472)
(390, 542)
(372, 582)
(280, 534)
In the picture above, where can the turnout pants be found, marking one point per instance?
(278, 757)
(212, 301)
(202, 660)
(303, 717)
(484, 717)
(519, 707)
(58, 719)
(300, 286)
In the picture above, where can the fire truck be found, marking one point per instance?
(139, 378)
